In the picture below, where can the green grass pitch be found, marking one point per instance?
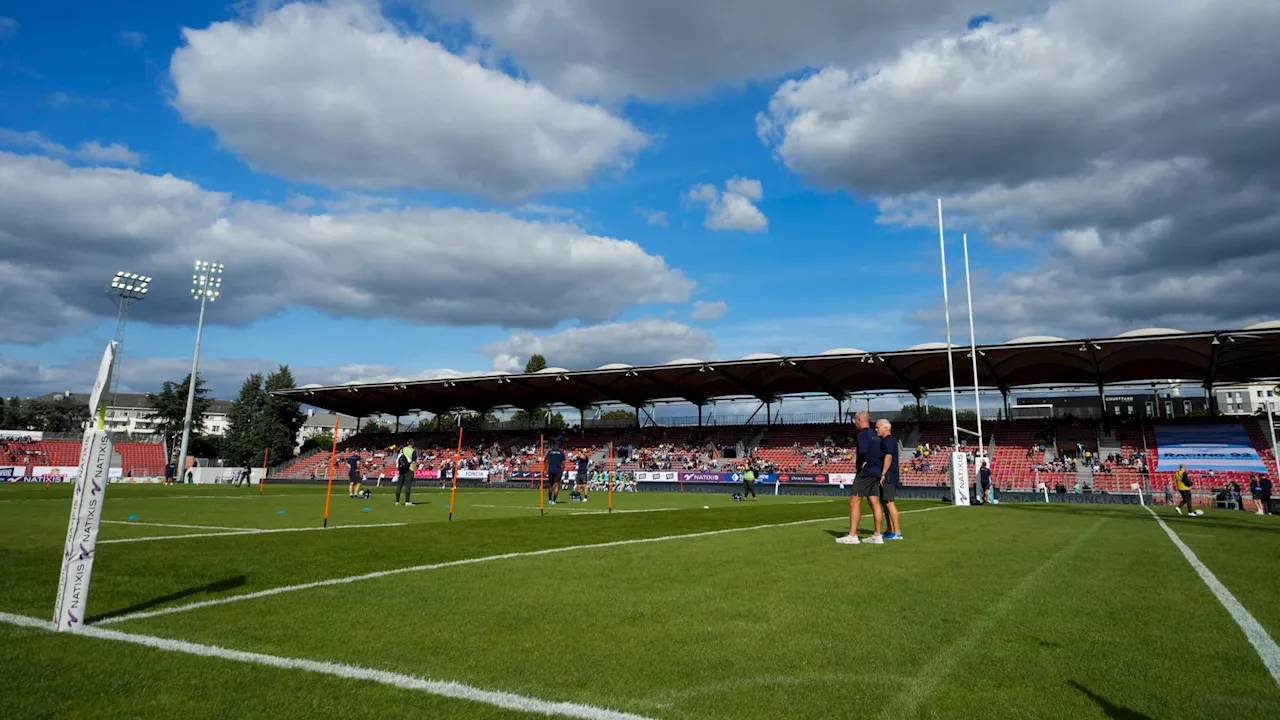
(1029, 611)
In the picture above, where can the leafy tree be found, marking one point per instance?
(170, 406)
(538, 418)
(470, 421)
(375, 426)
(536, 363)
(246, 422)
(618, 415)
(282, 418)
(936, 412)
(322, 441)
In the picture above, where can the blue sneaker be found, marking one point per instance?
(892, 536)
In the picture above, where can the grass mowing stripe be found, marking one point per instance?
(1253, 630)
(467, 561)
(926, 682)
(247, 532)
(173, 525)
(505, 700)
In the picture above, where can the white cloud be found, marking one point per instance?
(132, 38)
(92, 151)
(641, 342)
(732, 209)
(338, 95)
(61, 228)
(8, 27)
(709, 310)
(659, 49)
(1130, 164)
(657, 218)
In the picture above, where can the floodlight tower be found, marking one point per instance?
(206, 286)
(127, 288)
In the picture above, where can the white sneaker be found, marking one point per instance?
(397, 503)
(408, 504)
(848, 540)
(1178, 509)
(875, 540)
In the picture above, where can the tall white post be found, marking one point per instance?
(1271, 426)
(959, 463)
(973, 346)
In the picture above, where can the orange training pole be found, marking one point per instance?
(542, 473)
(457, 462)
(333, 456)
(51, 472)
(610, 476)
(262, 481)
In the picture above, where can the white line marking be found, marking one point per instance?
(1253, 630)
(495, 698)
(577, 510)
(246, 532)
(171, 525)
(458, 563)
(926, 681)
(171, 497)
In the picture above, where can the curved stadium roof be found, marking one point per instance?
(1212, 357)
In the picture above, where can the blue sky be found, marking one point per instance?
(834, 137)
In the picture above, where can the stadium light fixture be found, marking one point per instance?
(206, 286)
(127, 288)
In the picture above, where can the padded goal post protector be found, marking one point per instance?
(959, 478)
(82, 530)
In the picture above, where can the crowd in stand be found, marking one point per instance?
(20, 450)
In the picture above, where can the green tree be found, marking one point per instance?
(282, 417)
(538, 418)
(374, 426)
(470, 421)
(244, 440)
(322, 441)
(618, 415)
(170, 406)
(939, 412)
(15, 415)
(536, 363)
(55, 416)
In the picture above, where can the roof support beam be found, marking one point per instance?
(816, 379)
(612, 395)
(1211, 377)
(674, 390)
(907, 384)
(761, 395)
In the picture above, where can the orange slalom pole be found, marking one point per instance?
(55, 469)
(333, 457)
(611, 476)
(457, 463)
(262, 481)
(542, 473)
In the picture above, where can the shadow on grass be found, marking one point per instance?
(1113, 711)
(1214, 518)
(230, 583)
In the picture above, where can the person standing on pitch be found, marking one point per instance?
(1183, 483)
(749, 483)
(867, 483)
(353, 475)
(555, 471)
(889, 477)
(581, 481)
(405, 467)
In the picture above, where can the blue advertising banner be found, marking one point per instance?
(1207, 447)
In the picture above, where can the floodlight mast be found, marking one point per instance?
(127, 288)
(206, 287)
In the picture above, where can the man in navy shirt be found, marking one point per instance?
(889, 477)
(353, 475)
(867, 483)
(584, 475)
(555, 471)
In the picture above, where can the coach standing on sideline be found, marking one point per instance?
(867, 483)
(889, 477)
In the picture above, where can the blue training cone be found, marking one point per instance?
(133, 517)
(282, 512)
(366, 508)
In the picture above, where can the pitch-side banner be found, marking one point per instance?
(82, 530)
(1207, 447)
(959, 478)
(663, 476)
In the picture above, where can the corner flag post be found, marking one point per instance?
(542, 473)
(262, 481)
(610, 476)
(457, 463)
(333, 456)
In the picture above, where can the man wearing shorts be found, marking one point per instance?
(889, 477)
(354, 482)
(555, 471)
(867, 483)
(581, 481)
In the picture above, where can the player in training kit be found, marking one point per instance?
(354, 482)
(582, 480)
(749, 483)
(555, 472)
(867, 483)
(1183, 482)
(889, 478)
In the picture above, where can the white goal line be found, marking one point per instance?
(442, 688)
(246, 531)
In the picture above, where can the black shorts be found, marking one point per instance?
(555, 477)
(353, 477)
(866, 486)
(888, 492)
